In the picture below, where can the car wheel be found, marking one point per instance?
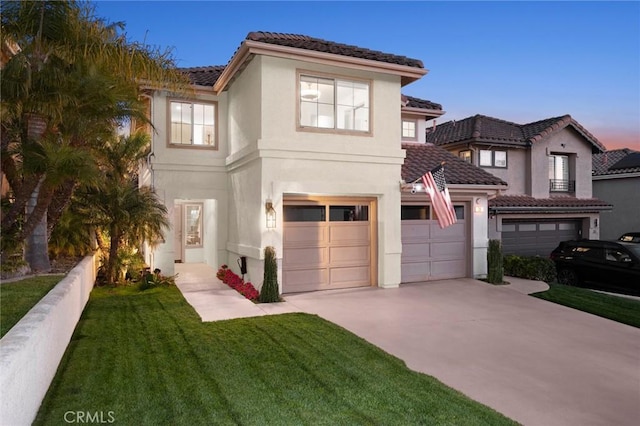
(568, 277)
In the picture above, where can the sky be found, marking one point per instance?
(518, 61)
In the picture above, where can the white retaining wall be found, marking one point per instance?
(32, 350)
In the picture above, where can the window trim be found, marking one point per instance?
(415, 129)
(215, 145)
(315, 74)
(493, 158)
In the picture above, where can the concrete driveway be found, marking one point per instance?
(534, 361)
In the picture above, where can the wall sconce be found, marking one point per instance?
(271, 215)
(478, 207)
(416, 187)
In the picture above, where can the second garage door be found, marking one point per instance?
(428, 252)
(327, 244)
(537, 238)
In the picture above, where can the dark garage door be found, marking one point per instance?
(537, 238)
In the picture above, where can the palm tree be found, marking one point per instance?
(72, 79)
(129, 214)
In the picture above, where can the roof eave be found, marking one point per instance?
(615, 176)
(426, 112)
(538, 209)
(250, 47)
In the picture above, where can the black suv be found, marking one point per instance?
(604, 265)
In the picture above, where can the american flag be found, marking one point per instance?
(436, 188)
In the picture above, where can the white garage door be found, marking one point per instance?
(428, 252)
(327, 244)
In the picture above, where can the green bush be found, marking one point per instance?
(494, 261)
(530, 267)
(270, 292)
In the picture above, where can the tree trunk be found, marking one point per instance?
(59, 203)
(112, 263)
(37, 242)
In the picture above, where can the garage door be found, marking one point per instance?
(428, 252)
(537, 238)
(327, 244)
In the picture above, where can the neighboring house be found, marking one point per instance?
(616, 180)
(296, 143)
(547, 165)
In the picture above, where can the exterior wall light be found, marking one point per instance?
(478, 207)
(271, 215)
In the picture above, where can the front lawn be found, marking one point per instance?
(620, 309)
(18, 297)
(145, 358)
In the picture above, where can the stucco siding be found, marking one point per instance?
(565, 142)
(624, 195)
(244, 119)
(195, 186)
(279, 78)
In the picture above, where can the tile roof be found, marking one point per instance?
(614, 162)
(412, 102)
(203, 76)
(310, 43)
(421, 158)
(483, 129)
(519, 203)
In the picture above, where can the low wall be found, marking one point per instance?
(32, 350)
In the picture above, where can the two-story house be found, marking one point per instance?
(297, 143)
(616, 180)
(547, 165)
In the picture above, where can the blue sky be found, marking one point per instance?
(518, 61)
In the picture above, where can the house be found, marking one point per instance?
(547, 165)
(300, 144)
(616, 180)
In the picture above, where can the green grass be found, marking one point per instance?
(147, 359)
(18, 297)
(620, 309)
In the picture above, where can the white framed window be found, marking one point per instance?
(334, 103)
(408, 129)
(490, 158)
(193, 225)
(192, 124)
(466, 156)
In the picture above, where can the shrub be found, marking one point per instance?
(270, 292)
(530, 267)
(494, 260)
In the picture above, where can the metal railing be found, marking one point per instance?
(561, 185)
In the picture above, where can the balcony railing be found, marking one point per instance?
(561, 185)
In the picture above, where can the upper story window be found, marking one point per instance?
(559, 174)
(193, 124)
(408, 129)
(334, 104)
(491, 158)
(466, 156)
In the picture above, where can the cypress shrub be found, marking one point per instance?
(269, 292)
(494, 260)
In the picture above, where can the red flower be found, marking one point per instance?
(228, 277)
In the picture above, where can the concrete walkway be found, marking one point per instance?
(536, 362)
